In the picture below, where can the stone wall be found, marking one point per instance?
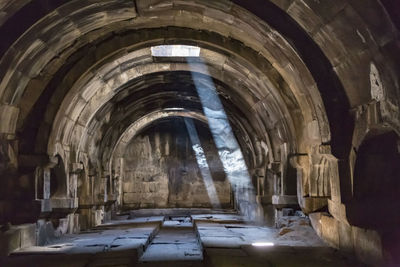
(310, 79)
(161, 169)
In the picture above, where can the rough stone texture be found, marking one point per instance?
(28, 235)
(177, 240)
(116, 244)
(316, 82)
(161, 169)
(10, 241)
(365, 243)
(17, 237)
(181, 241)
(8, 117)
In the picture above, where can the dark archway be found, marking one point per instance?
(377, 188)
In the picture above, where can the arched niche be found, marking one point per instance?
(58, 180)
(376, 187)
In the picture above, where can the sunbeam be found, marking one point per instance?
(228, 148)
(202, 163)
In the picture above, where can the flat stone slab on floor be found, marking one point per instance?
(177, 244)
(173, 252)
(219, 218)
(134, 222)
(233, 235)
(107, 247)
(178, 211)
(176, 241)
(279, 256)
(297, 233)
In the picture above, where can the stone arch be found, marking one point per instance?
(332, 67)
(377, 186)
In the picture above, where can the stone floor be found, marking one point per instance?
(196, 240)
(176, 240)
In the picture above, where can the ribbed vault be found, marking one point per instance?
(305, 86)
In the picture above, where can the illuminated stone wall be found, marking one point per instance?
(161, 169)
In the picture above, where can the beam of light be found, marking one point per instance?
(228, 148)
(175, 51)
(202, 163)
(262, 244)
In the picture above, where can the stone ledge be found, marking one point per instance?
(284, 200)
(67, 204)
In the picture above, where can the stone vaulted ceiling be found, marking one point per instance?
(304, 84)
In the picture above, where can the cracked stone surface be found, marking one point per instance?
(91, 121)
(197, 240)
(113, 245)
(223, 231)
(176, 241)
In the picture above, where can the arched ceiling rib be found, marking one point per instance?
(68, 123)
(76, 76)
(307, 54)
(258, 41)
(178, 94)
(129, 133)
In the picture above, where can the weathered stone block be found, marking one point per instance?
(9, 241)
(367, 245)
(354, 72)
(64, 203)
(329, 230)
(8, 117)
(324, 9)
(148, 6)
(345, 237)
(315, 219)
(312, 204)
(28, 235)
(284, 200)
(338, 210)
(131, 197)
(73, 223)
(45, 232)
(322, 169)
(305, 16)
(283, 4)
(313, 132)
(374, 15)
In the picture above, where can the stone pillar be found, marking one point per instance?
(99, 207)
(42, 188)
(265, 189)
(73, 218)
(85, 194)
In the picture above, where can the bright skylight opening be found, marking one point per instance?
(263, 244)
(175, 51)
